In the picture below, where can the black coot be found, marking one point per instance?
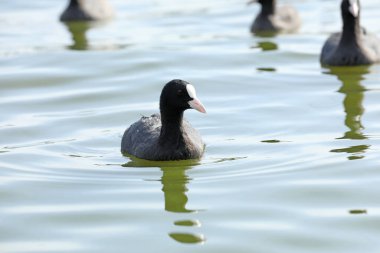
(167, 136)
(353, 46)
(274, 19)
(87, 10)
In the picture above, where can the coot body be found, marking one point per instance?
(354, 45)
(167, 136)
(87, 10)
(273, 19)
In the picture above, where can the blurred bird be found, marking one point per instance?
(354, 45)
(87, 10)
(275, 19)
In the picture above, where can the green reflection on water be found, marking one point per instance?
(353, 99)
(188, 223)
(137, 162)
(265, 34)
(174, 182)
(187, 238)
(271, 141)
(78, 31)
(174, 185)
(353, 150)
(353, 91)
(266, 45)
(266, 69)
(357, 211)
(78, 34)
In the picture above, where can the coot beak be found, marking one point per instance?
(251, 2)
(194, 102)
(197, 105)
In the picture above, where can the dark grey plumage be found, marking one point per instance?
(353, 46)
(87, 10)
(275, 19)
(142, 140)
(167, 136)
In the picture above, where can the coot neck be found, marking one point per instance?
(171, 127)
(268, 8)
(351, 31)
(73, 3)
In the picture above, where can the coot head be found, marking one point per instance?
(267, 6)
(178, 95)
(262, 2)
(350, 9)
(73, 3)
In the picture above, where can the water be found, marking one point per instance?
(291, 163)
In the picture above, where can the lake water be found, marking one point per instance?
(292, 158)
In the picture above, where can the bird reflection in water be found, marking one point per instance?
(81, 15)
(78, 30)
(353, 92)
(175, 182)
(174, 185)
(266, 45)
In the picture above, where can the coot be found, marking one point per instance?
(353, 46)
(167, 136)
(87, 10)
(275, 19)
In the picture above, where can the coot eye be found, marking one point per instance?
(179, 93)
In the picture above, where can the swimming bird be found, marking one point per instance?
(167, 136)
(275, 19)
(87, 10)
(354, 45)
